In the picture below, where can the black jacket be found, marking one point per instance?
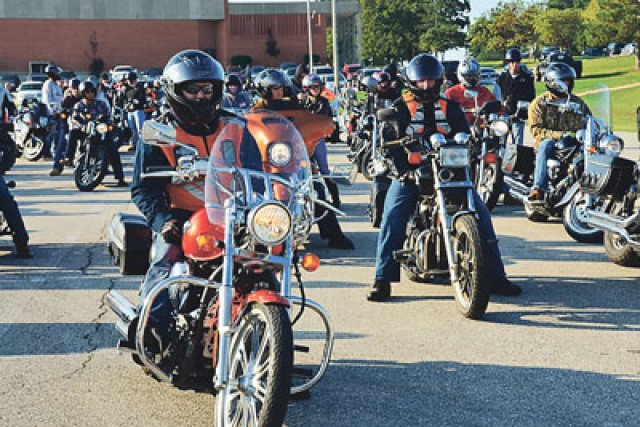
(516, 89)
(135, 97)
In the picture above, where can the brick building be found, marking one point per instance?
(146, 33)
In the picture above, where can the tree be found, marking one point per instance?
(96, 64)
(272, 44)
(443, 23)
(606, 21)
(562, 28)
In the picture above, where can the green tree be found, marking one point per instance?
(566, 4)
(611, 20)
(562, 28)
(442, 24)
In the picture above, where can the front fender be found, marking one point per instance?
(573, 190)
(265, 296)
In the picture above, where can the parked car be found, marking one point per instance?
(629, 49)
(349, 70)
(29, 91)
(120, 71)
(614, 48)
(558, 57)
(67, 75)
(329, 81)
(546, 51)
(151, 74)
(286, 65)
(488, 73)
(594, 51)
(37, 77)
(11, 78)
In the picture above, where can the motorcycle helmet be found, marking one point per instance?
(232, 80)
(559, 78)
(53, 71)
(469, 72)
(392, 70)
(74, 83)
(269, 79)
(132, 76)
(513, 55)
(425, 67)
(311, 80)
(198, 116)
(85, 86)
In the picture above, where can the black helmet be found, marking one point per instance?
(513, 55)
(311, 80)
(132, 76)
(382, 76)
(53, 71)
(269, 79)
(469, 72)
(392, 69)
(233, 80)
(198, 116)
(301, 71)
(425, 67)
(559, 78)
(74, 83)
(86, 85)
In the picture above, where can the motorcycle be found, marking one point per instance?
(233, 308)
(8, 149)
(121, 131)
(93, 157)
(442, 237)
(32, 126)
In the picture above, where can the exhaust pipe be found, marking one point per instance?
(122, 307)
(613, 224)
(517, 190)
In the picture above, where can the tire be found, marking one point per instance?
(619, 252)
(8, 154)
(365, 163)
(91, 169)
(472, 287)
(33, 148)
(266, 330)
(534, 215)
(490, 189)
(572, 220)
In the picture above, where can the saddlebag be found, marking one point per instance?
(607, 175)
(518, 159)
(129, 243)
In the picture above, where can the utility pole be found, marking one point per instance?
(310, 36)
(334, 33)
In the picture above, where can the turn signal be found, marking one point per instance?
(490, 158)
(88, 116)
(415, 159)
(310, 262)
(206, 243)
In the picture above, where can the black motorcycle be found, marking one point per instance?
(442, 236)
(32, 126)
(93, 157)
(8, 149)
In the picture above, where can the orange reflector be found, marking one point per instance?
(88, 116)
(415, 158)
(206, 242)
(490, 158)
(592, 149)
(310, 262)
(110, 127)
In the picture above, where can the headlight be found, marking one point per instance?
(270, 223)
(102, 127)
(611, 144)
(279, 154)
(500, 128)
(455, 156)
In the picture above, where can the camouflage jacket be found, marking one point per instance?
(547, 121)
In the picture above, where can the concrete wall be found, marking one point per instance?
(113, 9)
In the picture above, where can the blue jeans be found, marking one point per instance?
(399, 205)
(545, 151)
(165, 255)
(11, 212)
(517, 132)
(320, 155)
(60, 144)
(135, 119)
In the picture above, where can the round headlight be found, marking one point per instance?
(279, 154)
(270, 223)
(500, 128)
(102, 128)
(612, 144)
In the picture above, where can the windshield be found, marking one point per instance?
(257, 158)
(599, 102)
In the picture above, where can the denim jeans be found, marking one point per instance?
(60, 144)
(165, 255)
(320, 156)
(135, 119)
(545, 150)
(12, 214)
(399, 205)
(517, 132)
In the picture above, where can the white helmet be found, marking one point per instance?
(469, 72)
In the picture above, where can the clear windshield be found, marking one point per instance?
(257, 158)
(599, 102)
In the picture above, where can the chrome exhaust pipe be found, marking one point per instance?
(613, 224)
(122, 307)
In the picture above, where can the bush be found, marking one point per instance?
(241, 60)
(96, 67)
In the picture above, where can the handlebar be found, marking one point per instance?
(160, 169)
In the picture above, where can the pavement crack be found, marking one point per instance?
(85, 268)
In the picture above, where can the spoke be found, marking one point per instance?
(260, 392)
(260, 353)
(253, 412)
(261, 369)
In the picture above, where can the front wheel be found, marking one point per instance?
(8, 154)
(471, 288)
(260, 370)
(574, 217)
(33, 148)
(490, 188)
(91, 168)
(366, 162)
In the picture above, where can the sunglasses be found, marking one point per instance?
(277, 87)
(315, 87)
(193, 89)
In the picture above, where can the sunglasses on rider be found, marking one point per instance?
(277, 87)
(193, 89)
(314, 87)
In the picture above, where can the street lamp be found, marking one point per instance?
(310, 36)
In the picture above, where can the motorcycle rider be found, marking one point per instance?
(134, 101)
(548, 123)
(52, 98)
(234, 96)
(274, 91)
(425, 75)
(385, 88)
(302, 70)
(13, 217)
(516, 83)
(469, 76)
(98, 109)
(396, 82)
(7, 107)
(313, 85)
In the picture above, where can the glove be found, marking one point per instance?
(172, 232)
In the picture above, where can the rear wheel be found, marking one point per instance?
(365, 165)
(618, 251)
(574, 217)
(260, 370)
(471, 288)
(91, 169)
(33, 148)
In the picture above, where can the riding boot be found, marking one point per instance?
(333, 191)
(380, 291)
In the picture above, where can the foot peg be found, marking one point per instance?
(301, 348)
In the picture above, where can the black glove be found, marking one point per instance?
(172, 232)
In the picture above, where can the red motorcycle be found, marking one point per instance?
(233, 303)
